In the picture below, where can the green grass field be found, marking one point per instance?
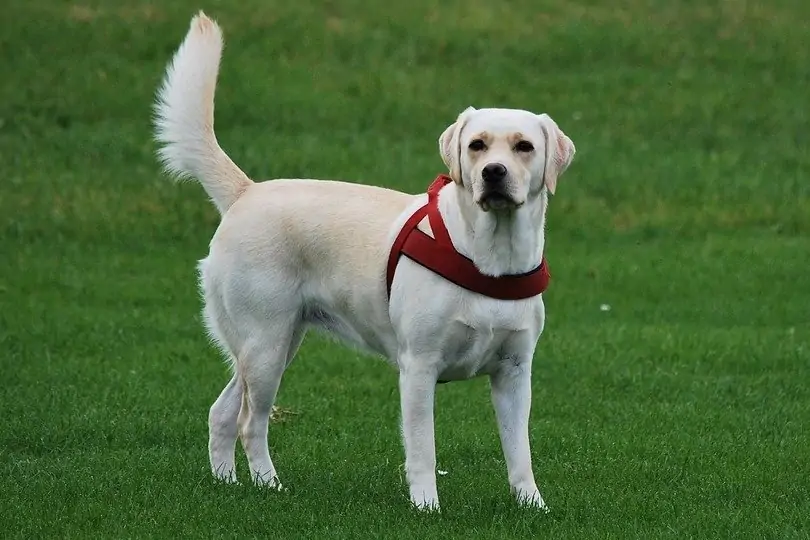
(682, 412)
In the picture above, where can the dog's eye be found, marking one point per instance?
(524, 146)
(477, 145)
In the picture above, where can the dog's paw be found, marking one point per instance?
(268, 481)
(529, 497)
(425, 499)
(226, 480)
(224, 474)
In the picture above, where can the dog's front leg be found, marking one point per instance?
(417, 388)
(512, 397)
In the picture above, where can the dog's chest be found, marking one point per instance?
(478, 342)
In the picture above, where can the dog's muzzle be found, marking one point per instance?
(496, 195)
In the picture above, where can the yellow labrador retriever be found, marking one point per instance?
(294, 254)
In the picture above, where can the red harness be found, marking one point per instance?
(439, 256)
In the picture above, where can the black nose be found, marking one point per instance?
(494, 172)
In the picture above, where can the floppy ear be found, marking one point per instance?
(560, 152)
(450, 145)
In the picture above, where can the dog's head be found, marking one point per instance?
(505, 157)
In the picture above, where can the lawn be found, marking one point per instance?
(672, 383)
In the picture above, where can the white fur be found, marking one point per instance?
(289, 255)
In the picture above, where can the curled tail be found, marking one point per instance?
(184, 119)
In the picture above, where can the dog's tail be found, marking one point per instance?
(184, 117)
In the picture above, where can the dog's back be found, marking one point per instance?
(306, 245)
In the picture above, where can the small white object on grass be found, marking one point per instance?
(604, 307)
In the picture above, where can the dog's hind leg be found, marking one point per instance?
(223, 430)
(224, 413)
(261, 366)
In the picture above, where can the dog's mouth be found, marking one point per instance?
(496, 200)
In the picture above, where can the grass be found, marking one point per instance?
(682, 412)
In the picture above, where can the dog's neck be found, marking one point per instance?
(499, 243)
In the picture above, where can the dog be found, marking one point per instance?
(294, 254)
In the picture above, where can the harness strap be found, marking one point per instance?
(438, 255)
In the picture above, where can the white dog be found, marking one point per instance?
(293, 254)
